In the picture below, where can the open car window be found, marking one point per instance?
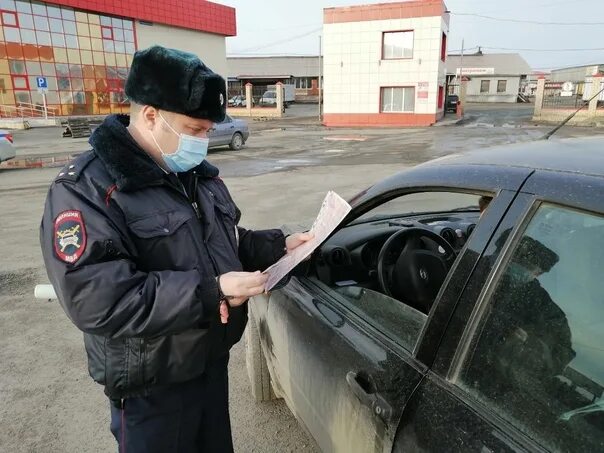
(388, 266)
(423, 202)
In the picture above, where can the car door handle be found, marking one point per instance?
(363, 387)
(329, 314)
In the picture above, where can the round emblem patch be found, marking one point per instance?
(69, 236)
(221, 99)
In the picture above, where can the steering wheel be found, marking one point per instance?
(413, 264)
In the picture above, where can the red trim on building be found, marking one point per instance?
(12, 13)
(199, 15)
(109, 29)
(378, 119)
(384, 11)
(441, 97)
(20, 76)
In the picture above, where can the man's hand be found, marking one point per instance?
(240, 286)
(296, 240)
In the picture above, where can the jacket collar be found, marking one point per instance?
(126, 162)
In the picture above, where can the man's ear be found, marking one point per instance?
(149, 116)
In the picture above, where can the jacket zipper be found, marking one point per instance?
(193, 200)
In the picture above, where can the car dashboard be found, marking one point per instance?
(350, 256)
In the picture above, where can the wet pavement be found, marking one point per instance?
(299, 140)
(294, 146)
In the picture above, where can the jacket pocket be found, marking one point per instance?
(229, 223)
(116, 363)
(163, 241)
(158, 224)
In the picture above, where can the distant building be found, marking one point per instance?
(492, 77)
(575, 74)
(78, 52)
(303, 72)
(384, 64)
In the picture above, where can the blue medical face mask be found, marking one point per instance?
(190, 153)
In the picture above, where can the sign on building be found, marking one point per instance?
(476, 71)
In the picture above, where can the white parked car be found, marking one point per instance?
(7, 150)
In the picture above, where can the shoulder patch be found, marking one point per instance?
(69, 236)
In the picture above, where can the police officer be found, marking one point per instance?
(141, 242)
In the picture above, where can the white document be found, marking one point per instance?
(333, 211)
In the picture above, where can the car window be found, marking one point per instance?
(537, 356)
(423, 202)
(348, 265)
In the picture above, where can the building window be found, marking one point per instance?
(443, 49)
(397, 45)
(398, 99)
(502, 86)
(485, 86)
(303, 83)
(67, 47)
(20, 83)
(9, 19)
(107, 32)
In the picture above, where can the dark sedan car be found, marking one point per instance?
(451, 103)
(459, 307)
(231, 132)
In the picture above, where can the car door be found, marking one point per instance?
(346, 361)
(521, 366)
(222, 132)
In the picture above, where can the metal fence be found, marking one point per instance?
(236, 96)
(453, 88)
(566, 95)
(263, 96)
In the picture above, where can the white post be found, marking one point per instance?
(461, 65)
(45, 107)
(320, 76)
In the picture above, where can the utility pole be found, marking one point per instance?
(461, 105)
(320, 76)
(461, 64)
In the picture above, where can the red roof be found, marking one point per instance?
(198, 15)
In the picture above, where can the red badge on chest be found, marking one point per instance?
(69, 236)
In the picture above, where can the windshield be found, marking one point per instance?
(424, 202)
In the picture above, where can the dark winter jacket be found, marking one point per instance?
(133, 254)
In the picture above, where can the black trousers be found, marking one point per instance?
(188, 417)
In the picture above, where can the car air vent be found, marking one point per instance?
(449, 235)
(338, 257)
(470, 230)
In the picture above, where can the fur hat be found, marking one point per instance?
(176, 81)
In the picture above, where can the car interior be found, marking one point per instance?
(401, 251)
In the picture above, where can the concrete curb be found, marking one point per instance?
(456, 122)
(24, 162)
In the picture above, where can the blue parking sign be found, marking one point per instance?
(42, 82)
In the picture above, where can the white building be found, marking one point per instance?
(491, 77)
(300, 71)
(576, 74)
(384, 64)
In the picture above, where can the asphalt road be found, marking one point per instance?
(48, 402)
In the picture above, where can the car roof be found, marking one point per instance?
(577, 155)
(491, 169)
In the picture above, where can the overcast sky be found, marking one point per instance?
(278, 27)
